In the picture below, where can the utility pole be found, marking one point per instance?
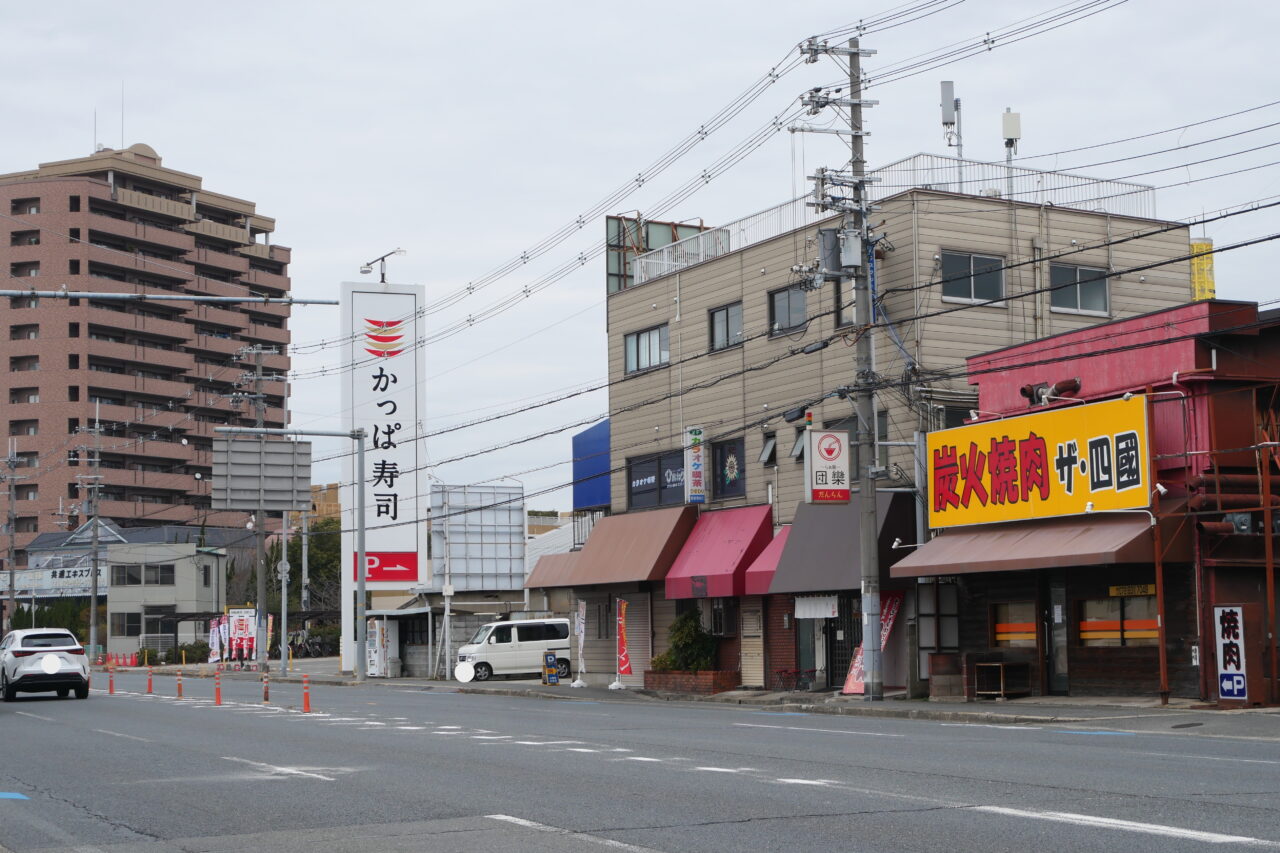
(259, 401)
(284, 594)
(94, 488)
(856, 258)
(12, 478)
(306, 574)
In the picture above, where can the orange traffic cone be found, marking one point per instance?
(306, 693)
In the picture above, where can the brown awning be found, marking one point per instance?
(1053, 543)
(552, 570)
(635, 546)
(822, 551)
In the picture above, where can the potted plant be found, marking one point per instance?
(688, 665)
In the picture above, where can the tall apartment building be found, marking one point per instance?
(712, 327)
(160, 375)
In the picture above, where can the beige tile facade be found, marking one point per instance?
(752, 384)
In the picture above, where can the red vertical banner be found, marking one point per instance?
(624, 658)
(890, 604)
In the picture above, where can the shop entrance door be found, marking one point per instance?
(1055, 619)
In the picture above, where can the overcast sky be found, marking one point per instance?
(467, 132)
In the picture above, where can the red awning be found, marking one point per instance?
(716, 555)
(760, 573)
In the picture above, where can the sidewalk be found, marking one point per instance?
(1023, 711)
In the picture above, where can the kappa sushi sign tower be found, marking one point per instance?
(382, 393)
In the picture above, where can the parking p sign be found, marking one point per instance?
(1229, 637)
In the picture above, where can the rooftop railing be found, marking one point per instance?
(921, 171)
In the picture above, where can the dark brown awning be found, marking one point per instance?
(552, 570)
(635, 546)
(1053, 543)
(822, 551)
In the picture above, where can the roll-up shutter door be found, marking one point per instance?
(752, 621)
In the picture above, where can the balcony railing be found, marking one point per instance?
(156, 204)
(922, 171)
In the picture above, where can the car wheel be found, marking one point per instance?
(64, 692)
(82, 692)
(6, 689)
(483, 672)
(563, 670)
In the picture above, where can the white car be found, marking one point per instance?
(42, 660)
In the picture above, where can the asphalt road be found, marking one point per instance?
(383, 768)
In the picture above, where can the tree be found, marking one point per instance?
(324, 561)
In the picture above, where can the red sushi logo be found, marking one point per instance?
(383, 338)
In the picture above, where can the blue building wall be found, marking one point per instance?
(591, 467)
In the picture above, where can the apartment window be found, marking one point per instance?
(24, 206)
(73, 362)
(26, 493)
(126, 624)
(24, 395)
(73, 203)
(28, 332)
(726, 326)
(73, 267)
(769, 452)
(24, 427)
(973, 278)
(30, 524)
(73, 330)
(787, 310)
(128, 574)
(24, 302)
(647, 349)
(205, 575)
(1082, 289)
(729, 473)
(1015, 624)
(1120, 621)
(656, 480)
(160, 575)
(24, 238)
(797, 449)
(74, 234)
(24, 269)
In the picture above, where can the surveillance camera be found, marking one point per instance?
(1074, 243)
(1127, 395)
(1161, 489)
(937, 258)
(897, 541)
(366, 269)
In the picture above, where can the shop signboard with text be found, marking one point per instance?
(1061, 462)
(827, 468)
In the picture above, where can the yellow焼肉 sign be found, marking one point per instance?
(1041, 465)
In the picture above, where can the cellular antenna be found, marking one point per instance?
(1011, 127)
(951, 124)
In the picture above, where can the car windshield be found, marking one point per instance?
(478, 636)
(48, 641)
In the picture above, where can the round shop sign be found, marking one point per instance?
(464, 672)
(830, 446)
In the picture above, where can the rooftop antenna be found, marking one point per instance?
(951, 125)
(1011, 126)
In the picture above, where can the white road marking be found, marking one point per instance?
(824, 731)
(1210, 758)
(717, 769)
(821, 783)
(448, 727)
(1130, 826)
(581, 836)
(34, 716)
(639, 758)
(410, 728)
(580, 749)
(990, 726)
(491, 737)
(279, 771)
(121, 734)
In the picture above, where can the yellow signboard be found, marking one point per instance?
(1131, 589)
(1202, 285)
(1062, 462)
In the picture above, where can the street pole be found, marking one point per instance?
(95, 489)
(362, 627)
(855, 225)
(11, 560)
(284, 594)
(447, 589)
(306, 576)
(260, 413)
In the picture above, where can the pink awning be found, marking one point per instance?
(760, 573)
(715, 557)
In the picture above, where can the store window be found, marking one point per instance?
(656, 480)
(1119, 621)
(938, 620)
(729, 473)
(1015, 624)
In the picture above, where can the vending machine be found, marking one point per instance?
(383, 646)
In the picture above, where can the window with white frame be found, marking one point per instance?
(973, 278)
(787, 310)
(647, 349)
(1082, 289)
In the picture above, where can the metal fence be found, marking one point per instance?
(924, 171)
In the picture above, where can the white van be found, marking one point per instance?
(509, 648)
